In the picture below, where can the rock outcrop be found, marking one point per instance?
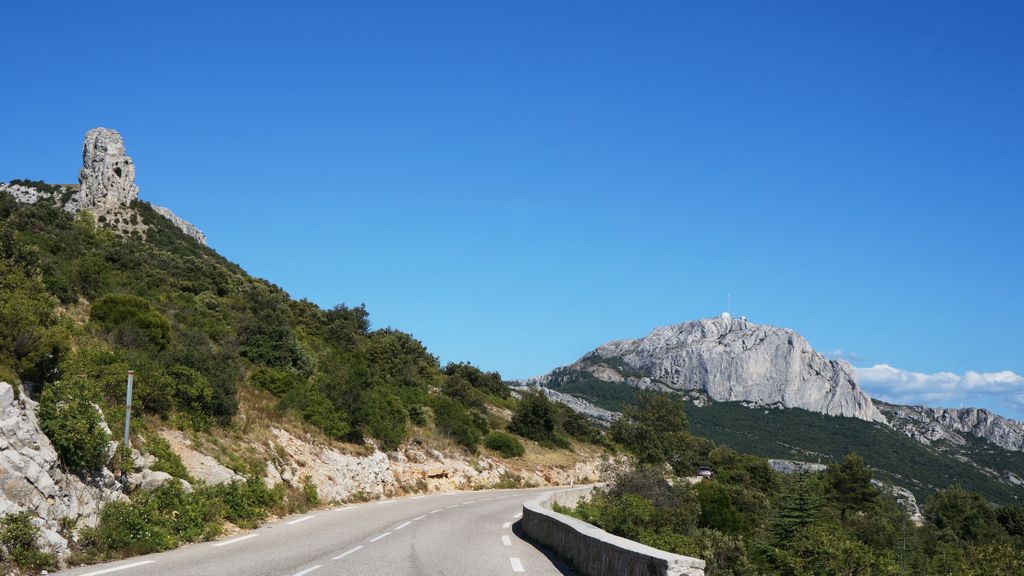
(727, 359)
(595, 413)
(32, 480)
(931, 425)
(106, 187)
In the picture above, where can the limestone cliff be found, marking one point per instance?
(727, 359)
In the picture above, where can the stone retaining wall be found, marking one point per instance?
(592, 551)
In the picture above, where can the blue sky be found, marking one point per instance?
(516, 183)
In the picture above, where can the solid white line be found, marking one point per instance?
(506, 540)
(343, 554)
(517, 566)
(435, 511)
(469, 501)
(518, 515)
(506, 525)
(402, 525)
(419, 518)
(416, 497)
(239, 539)
(454, 506)
(385, 501)
(344, 508)
(117, 568)
(297, 520)
(384, 535)
(307, 571)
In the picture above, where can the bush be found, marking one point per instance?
(18, 543)
(455, 420)
(381, 415)
(70, 418)
(247, 503)
(130, 529)
(505, 444)
(534, 418)
(131, 321)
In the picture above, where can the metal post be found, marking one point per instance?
(128, 410)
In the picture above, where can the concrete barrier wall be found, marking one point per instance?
(592, 551)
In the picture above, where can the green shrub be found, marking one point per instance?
(536, 418)
(130, 529)
(131, 321)
(505, 444)
(18, 539)
(247, 503)
(382, 416)
(70, 418)
(455, 420)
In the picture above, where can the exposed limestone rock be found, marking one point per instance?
(107, 178)
(795, 466)
(32, 480)
(200, 466)
(596, 413)
(727, 359)
(183, 225)
(929, 425)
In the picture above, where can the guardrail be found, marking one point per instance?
(592, 551)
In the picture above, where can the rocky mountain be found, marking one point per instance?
(724, 360)
(950, 425)
(106, 187)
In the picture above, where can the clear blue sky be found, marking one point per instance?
(516, 183)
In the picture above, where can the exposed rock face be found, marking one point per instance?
(795, 466)
(596, 413)
(106, 187)
(31, 479)
(930, 425)
(728, 359)
(107, 178)
(200, 466)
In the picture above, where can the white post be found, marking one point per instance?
(128, 409)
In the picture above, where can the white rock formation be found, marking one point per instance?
(930, 425)
(728, 359)
(185, 226)
(32, 480)
(107, 177)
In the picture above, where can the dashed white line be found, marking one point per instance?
(384, 535)
(518, 515)
(506, 525)
(343, 508)
(402, 525)
(233, 540)
(118, 568)
(297, 520)
(517, 566)
(385, 501)
(419, 518)
(506, 540)
(417, 497)
(469, 501)
(435, 511)
(307, 570)
(347, 552)
(454, 506)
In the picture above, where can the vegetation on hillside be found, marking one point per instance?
(750, 520)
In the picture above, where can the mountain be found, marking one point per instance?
(764, 390)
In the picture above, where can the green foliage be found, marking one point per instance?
(247, 503)
(487, 382)
(69, 415)
(381, 415)
(961, 515)
(536, 418)
(849, 484)
(505, 444)
(167, 460)
(454, 419)
(654, 430)
(131, 322)
(18, 538)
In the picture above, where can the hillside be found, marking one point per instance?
(763, 390)
(242, 394)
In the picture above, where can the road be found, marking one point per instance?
(453, 534)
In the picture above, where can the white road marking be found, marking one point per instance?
(419, 518)
(517, 566)
(506, 525)
(384, 535)
(385, 501)
(118, 568)
(402, 525)
(297, 520)
(454, 506)
(307, 570)
(435, 511)
(506, 540)
(518, 515)
(343, 554)
(232, 541)
(344, 508)
(416, 497)
(469, 501)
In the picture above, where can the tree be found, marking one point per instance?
(654, 429)
(534, 418)
(849, 484)
(963, 515)
(131, 321)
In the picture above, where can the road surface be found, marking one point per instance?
(454, 534)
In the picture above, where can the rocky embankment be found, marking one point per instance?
(727, 359)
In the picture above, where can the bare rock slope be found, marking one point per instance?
(727, 359)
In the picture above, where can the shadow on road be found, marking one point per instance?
(556, 562)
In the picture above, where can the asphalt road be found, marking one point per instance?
(455, 534)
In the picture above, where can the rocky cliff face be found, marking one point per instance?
(32, 480)
(930, 425)
(106, 187)
(728, 359)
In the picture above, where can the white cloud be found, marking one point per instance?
(1000, 391)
